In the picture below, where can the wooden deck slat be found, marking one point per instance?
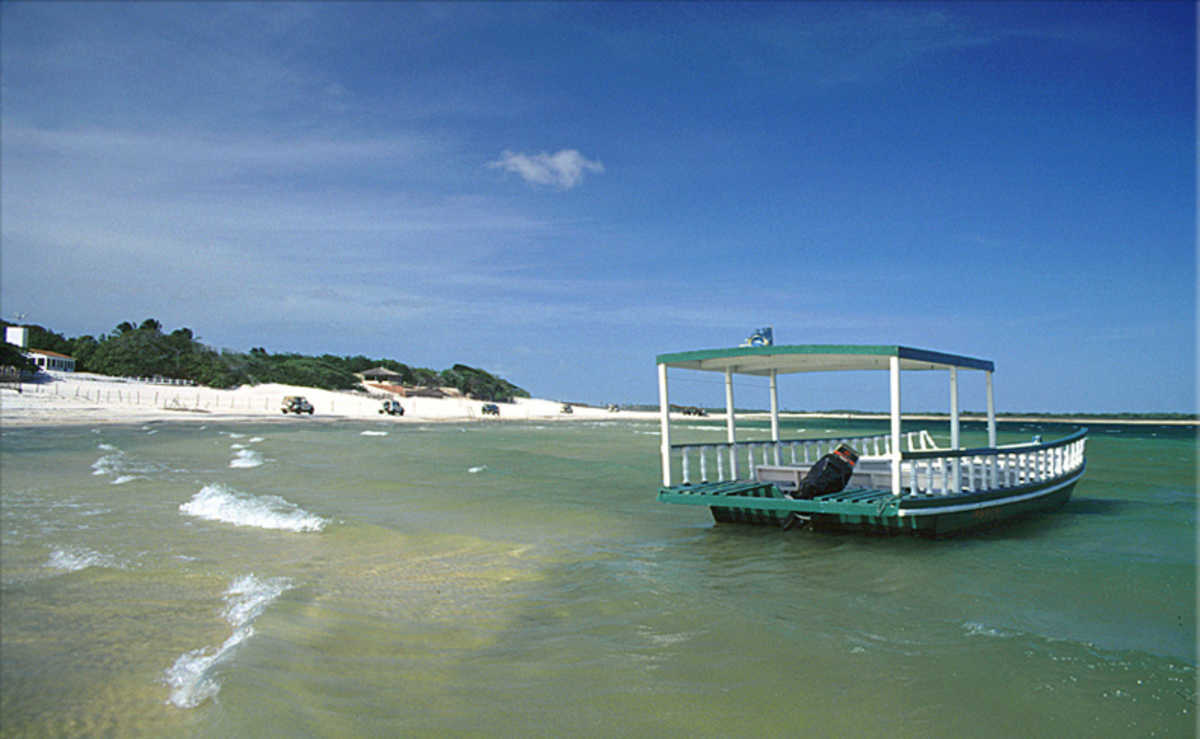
(727, 489)
(856, 495)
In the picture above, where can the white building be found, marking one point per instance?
(43, 358)
(46, 359)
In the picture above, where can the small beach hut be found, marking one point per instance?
(383, 374)
(46, 359)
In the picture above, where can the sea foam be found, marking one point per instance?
(246, 598)
(119, 466)
(973, 628)
(246, 458)
(80, 558)
(217, 502)
(108, 463)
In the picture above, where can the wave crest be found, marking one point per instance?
(245, 458)
(80, 558)
(217, 502)
(246, 598)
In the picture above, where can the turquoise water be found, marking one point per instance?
(349, 579)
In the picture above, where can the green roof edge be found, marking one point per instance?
(885, 350)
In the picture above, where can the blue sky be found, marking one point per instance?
(558, 192)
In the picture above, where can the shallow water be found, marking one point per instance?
(520, 579)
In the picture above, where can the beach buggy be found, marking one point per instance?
(392, 408)
(296, 404)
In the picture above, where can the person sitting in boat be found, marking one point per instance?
(830, 474)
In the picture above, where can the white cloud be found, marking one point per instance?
(563, 169)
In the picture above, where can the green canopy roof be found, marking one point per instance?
(760, 360)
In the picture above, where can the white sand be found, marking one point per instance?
(63, 398)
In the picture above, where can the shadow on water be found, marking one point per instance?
(1097, 506)
(1032, 525)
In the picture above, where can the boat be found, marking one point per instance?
(903, 481)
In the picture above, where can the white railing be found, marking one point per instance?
(972, 470)
(195, 398)
(723, 459)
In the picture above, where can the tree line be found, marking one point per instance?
(146, 350)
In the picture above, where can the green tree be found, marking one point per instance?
(83, 348)
(425, 377)
(134, 353)
(145, 350)
(11, 356)
(481, 385)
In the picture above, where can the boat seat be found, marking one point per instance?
(872, 474)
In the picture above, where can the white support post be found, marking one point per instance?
(991, 410)
(730, 434)
(894, 375)
(664, 411)
(775, 413)
(955, 443)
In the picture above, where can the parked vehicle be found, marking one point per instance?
(490, 409)
(392, 408)
(566, 408)
(296, 404)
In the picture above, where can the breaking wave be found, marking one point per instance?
(973, 628)
(80, 558)
(246, 598)
(115, 463)
(108, 463)
(217, 502)
(246, 458)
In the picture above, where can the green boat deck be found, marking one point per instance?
(751, 501)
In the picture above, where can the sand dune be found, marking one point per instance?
(83, 398)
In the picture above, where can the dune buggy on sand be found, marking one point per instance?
(296, 404)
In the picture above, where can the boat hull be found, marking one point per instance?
(950, 523)
(877, 511)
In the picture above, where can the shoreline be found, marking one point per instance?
(72, 399)
(79, 399)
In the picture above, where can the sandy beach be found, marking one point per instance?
(62, 398)
(70, 398)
